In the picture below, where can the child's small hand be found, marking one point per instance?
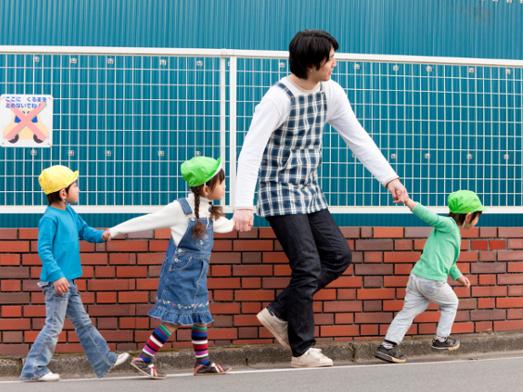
(397, 190)
(61, 286)
(106, 236)
(464, 281)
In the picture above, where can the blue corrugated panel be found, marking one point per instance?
(463, 28)
(459, 28)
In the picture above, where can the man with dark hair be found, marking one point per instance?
(310, 48)
(282, 150)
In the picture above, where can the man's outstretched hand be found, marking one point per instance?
(398, 191)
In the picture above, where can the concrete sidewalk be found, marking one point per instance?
(71, 365)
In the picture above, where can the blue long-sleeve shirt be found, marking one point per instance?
(59, 232)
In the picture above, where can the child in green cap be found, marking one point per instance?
(428, 279)
(182, 297)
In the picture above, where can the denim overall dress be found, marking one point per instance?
(182, 297)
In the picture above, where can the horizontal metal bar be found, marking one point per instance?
(105, 50)
(228, 209)
(354, 57)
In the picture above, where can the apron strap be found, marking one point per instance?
(187, 210)
(289, 92)
(286, 89)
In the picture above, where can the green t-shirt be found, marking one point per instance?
(441, 250)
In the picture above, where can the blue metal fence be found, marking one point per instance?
(126, 118)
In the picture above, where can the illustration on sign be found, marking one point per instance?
(26, 120)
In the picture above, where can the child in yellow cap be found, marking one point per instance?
(59, 250)
(428, 279)
(182, 297)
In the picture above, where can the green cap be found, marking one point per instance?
(463, 202)
(198, 170)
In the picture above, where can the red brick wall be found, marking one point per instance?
(246, 272)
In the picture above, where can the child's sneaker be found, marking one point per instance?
(120, 359)
(449, 344)
(210, 369)
(147, 369)
(49, 376)
(391, 355)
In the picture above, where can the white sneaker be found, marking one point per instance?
(121, 358)
(277, 327)
(49, 376)
(313, 357)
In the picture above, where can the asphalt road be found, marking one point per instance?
(487, 374)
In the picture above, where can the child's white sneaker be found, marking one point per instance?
(313, 357)
(49, 376)
(120, 359)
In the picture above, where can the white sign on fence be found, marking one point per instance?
(26, 120)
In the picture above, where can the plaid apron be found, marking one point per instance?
(288, 181)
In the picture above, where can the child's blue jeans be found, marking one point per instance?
(58, 307)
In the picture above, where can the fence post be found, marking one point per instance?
(223, 115)
(232, 127)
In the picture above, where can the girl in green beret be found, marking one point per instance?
(428, 279)
(182, 297)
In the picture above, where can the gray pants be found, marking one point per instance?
(420, 292)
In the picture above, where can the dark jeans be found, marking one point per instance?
(317, 254)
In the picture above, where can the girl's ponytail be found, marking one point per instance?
(199, 227)
(215, 211)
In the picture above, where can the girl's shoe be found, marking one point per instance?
(449, 344)
(211, 369)
(391, 355)
(147, 369)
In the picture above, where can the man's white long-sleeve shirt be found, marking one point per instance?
(273, 111)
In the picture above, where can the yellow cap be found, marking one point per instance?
(55, 178)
